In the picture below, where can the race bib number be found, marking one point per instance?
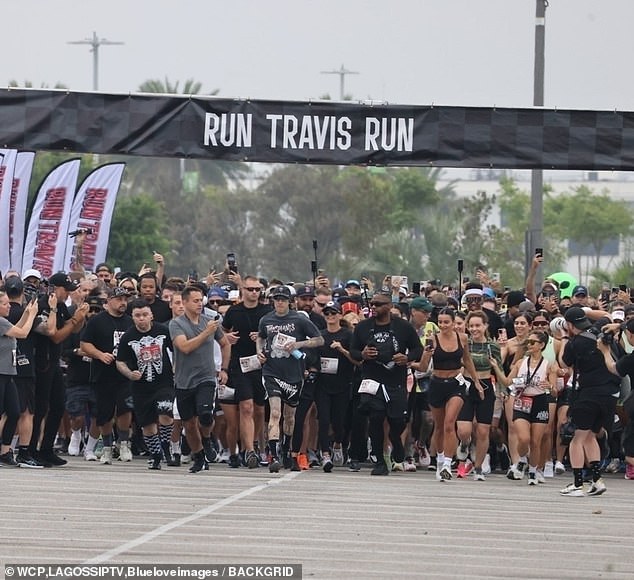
(225, 393)
(249, 363)
(369, 387)
(329, 366)
(281, 341)
(523, 404)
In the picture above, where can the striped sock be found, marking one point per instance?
(165, 432)
(153, 443)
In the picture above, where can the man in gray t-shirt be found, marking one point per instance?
(193, 335)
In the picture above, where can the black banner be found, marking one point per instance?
(315, 132)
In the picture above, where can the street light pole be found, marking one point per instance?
(535, 237)
(342, 72)
(95, 43)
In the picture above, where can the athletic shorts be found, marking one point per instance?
(150, 403)
(395, 407)
(81, 399)
(564, 397)
(197, 402)
(112, 398)
(441, 390)
(290, 393)
(247, 386)
(26, 393)
(538, 412)
(479, 409)
(589, 411)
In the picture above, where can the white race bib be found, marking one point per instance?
(329, 366)
(369, 386)
(225, 393)
(250, 363)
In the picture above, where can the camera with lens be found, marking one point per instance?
(606, 337)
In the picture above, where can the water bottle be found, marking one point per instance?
(298, 354)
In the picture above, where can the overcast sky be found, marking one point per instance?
(450, 52)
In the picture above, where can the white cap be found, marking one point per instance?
(618, 315)
(31, 273)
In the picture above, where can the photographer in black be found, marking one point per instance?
(623, 366)
(594, 400)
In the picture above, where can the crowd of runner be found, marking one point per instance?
(255, 373)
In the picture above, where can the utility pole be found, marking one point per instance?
(535, 237)
(342, 72)
(95, 43)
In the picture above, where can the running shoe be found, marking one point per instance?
(560, 468)
(486, 464)
(629, 471)
(234, 461)
(597, 487)
(423, 456)
(327, 464)
(614, 466)
(409, 464)
(354, 465)
(463, 451)
(398, 466)
(532, 478)
(549, 469)
(540, 476)
(174, 460)
(251, 459)
(90, 455)
(572, 490)
(75, 443)
(125, 453)
(464, 469)
(380, 469)
(337, 456)
(25, 460)
(295, 466)
(514, 473)
(313, 460)
(504, 457)
(274, 466)
(478, 475)
(302, 459)
(50, 457)
(199, 462)
(445, 472)
(106, 456)
(155, 462)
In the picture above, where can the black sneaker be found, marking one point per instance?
(25, 460)
(211, 455)
(252, 460)
(287, 460)
(433, 465)
(8, 459)
(199, 463)
(353, 465)
(274, 466)
(167, 455)
(175, 460)
(295, 466)
(380, 469)
(155, 462)
(234, 461)
(51, 457)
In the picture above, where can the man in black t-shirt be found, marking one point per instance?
(240, 325)
(148, 290)
(100, 340)
(594, 401)
(143, 358)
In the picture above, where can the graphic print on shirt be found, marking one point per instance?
(279, 339)
(116, 339)
(149, 355)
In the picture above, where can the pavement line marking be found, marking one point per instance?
(105, 556)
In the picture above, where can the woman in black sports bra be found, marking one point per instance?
(449, 352)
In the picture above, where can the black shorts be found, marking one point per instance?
(150, 403)
(247, 386)
(538, 413)
(393, 408)
(26, 393)
(593, 412)
(476, 408)
(290, 393)
(441, 390)
(564, 398)
(197, 402)
(112, 398)
(80, 399)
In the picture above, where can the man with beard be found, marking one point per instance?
(144, 360)
(100, 341)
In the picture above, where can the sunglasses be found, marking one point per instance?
(250, 289)
(215, 302)
(330, 312)
(321, 304)
(379, 304)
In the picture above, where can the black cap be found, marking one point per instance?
(280, 292)
(117, 292)
(62, 280)
(13, 286)
(331, 307)
(577, 317)
(308, 291)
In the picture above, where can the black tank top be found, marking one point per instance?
(447, 361)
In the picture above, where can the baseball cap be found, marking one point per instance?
(332, 307)
(577, 317)
(117, 292)
(31, 273)
(514, 298)
(579, 290)
(280, 292)
(63, 281)
(13, 285)
(618, 315)
(421, 304)
(307, 291)
(217, 291)
(353, 283)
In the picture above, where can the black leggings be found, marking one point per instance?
(10, 406)
(49, 403)
(376, 435)
(331, 410)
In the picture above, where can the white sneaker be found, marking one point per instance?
(90, 456)
(540, 476)
(423, 457)
(613, 467)
(224, 456)
(486, 464)
(463, 451)
(75, 443)
(398, 466)
(409, 465)
(478, 476)
(125, 454)
(337, 456)
(560, 468)
(106, 456)
(185, 459)
(549, 469)
(572, 490)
